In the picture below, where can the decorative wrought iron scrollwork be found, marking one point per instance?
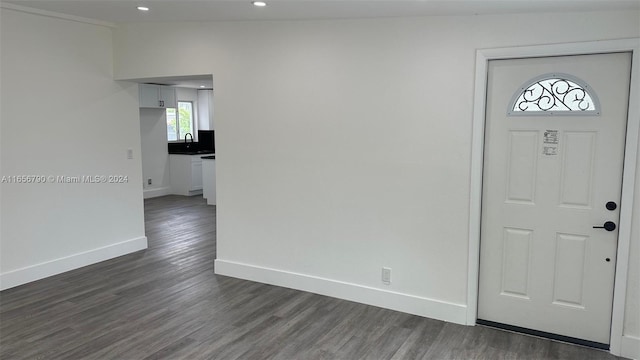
(554, 94)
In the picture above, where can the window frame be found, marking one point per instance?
(179, 136)
(574, 79)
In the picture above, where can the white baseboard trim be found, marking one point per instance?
(40, 271)
(156, 192)
(630, 347)
(435, 309)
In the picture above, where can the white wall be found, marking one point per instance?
(62, 114)
(205, 110)
(155, 155)
(344, 146)
(186, 94)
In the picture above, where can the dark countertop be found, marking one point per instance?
(197, 152)
(189, 148)
(212, 157)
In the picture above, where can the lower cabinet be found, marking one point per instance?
(185, 174)
(209, 179)
(196, 175)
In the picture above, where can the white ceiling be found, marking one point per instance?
(122, 11)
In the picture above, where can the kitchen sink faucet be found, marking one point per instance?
(187, 145)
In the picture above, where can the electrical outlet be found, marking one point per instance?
(129, 154)
(149, 182)
(386, 275)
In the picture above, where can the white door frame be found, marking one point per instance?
(628, 180)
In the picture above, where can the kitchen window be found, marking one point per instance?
(180, 121)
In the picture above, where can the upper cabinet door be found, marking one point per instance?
(156, 96)
(168, 96)
(149, 96)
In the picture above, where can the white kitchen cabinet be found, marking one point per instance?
(209, 180)
(156, 96)
(196, 175)
(185, 174)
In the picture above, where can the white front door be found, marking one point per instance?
(553, 161)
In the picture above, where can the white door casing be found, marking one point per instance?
(546, 182)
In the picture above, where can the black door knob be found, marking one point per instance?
(611, 206)
(609, 226)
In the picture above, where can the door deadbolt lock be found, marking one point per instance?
(609, 226)
(611, 205)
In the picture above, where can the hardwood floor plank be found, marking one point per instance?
(423, 335)
(166, 303)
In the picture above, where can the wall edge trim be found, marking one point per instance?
(416, 305)
(46, 269)
(630, 347)
(156, 192)
(57, 15)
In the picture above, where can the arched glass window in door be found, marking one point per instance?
(554, 94)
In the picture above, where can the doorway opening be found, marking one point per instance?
(628, 177)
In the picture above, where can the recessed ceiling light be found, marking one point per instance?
(143, 8)
(259, 3)
(202, 86)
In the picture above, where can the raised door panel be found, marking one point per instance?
(168, 97)
(149, 96)
(196, 173)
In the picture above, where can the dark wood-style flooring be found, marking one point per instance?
(166, 303)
